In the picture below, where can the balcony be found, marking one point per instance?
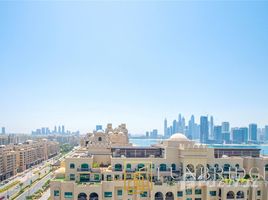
(83, 169)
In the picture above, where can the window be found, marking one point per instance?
(68, 195)
(119, 192)
(118, 167)
(84, 166)
(173, 166)
(213, 193)
(108, 194)
(198, 191)
(109, 177)
(116, 177)
(84, 177)
(163, 167)
(258, 193)
(197, 199)
(72, 166)
(130, 192)
(144, 194)
(72, 177)
(180, 194)
(140, 166)
(128, 166)
(189, 199)
(96, 177)
(189, 191)
(99, 139)
(56, 193)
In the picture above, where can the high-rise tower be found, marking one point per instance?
(204, 129)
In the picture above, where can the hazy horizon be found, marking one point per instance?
(87, 63)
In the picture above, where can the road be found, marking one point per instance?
(26, 179)
(35, 187)
(46, 195)
(28, 176)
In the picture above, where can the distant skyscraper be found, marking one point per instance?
(211, 127)
(43, 131)
(244, 131)
(253, 132)
(218, 134)
(165, 128)
(203, 129)
(179, 125)
(63, 129)
(59, 130)
(225, 127)
(266, 132)
(147, 134)
(154, 133)
(98, 127)
(174, 127)
(183, 125)
(238, 136)
(3, 130)
(55, 129)
(226, 131)
(191, 127)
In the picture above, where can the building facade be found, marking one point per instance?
(16, 158)
(108, 167)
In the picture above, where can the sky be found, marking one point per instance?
(87, 63)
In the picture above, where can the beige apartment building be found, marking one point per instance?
(8, 162)
(19, 157)
(108, 167)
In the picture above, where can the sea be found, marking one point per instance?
(145, 142)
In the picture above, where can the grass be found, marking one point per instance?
(9, 186)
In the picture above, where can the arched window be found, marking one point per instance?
(163, 167)
(140, 166)
(128, 167)
(200, 170)
(118, 167)
(93, 196)
(190, 168)
(226, 167)
(240, 195)
(266, 167)
(72, 165)
(84, 166)
(99, 139)
(230, 195)
(158, 196)
(169, 196)
(82, 196)
(237, 166)
(173, 166)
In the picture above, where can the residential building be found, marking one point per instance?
(8, 162)
(108, 167)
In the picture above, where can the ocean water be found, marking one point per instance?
(148, 142)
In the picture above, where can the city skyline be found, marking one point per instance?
(104, 63)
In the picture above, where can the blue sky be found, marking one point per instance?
(88, 63)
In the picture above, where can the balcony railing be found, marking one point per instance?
(83, 169)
